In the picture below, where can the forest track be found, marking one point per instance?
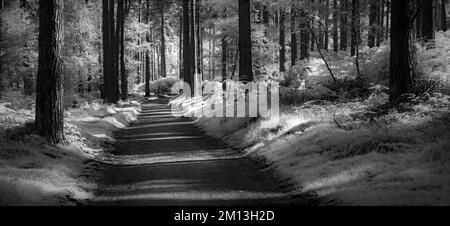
(182, 166)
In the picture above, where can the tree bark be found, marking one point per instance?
(428, 21)
(121, 38)
(282, 40)
(294, 46)
(49, 99)
(245, 42)
(344, 24)
(305, 35)
(355, 27)
(372, 24)
(187, 50)
(400, 69)
(335, 27)
(163, 42)
(327, 26)
(443, 16)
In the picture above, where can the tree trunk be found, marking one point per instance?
(187, 50)
(224, 59)
(121, 38)
(344, 24)
(180, 51)
(327, 26)
(114, 81)
(282, 40)
(245, 42)
(106, 51)
(294, 46)
(388, 19)
(443, 16)
(163, 43)
(372, 24)
(428, 21)
(400, 69)
(355, 25)
(198, 38)
(304, 35)
(335, 27)
(49, 98)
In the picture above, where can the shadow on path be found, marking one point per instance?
(169, 161)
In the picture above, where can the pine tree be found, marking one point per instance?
(49, 98)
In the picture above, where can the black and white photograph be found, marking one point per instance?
(263, 104)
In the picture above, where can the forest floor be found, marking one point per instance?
(32, 172)
(342, 143)
(163, 160)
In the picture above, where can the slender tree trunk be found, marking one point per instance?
(443, 16)
(304, 35)
(372, 24)
(400, 69)
(388, 19)
(198, 38)
(344, 24)
(313, 25)
(187, 50)
(335, 26)
(213, 57)
(180, 51)
(163, 43)
(381, 29)
(105, 90)
(49, 98)
(123, 73)
(282, 40)
(224, 59)
(294, 46)
(115, 53)
(245, 42)
(148, 65)
(327, 26)
(428, 21)
(355, 25)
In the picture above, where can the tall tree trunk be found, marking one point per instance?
(428, 21)
(224, 59)
(327, 24)
(443, 16)
(388, 19)
(304, 35)
(49, 98)
(105, 90)
(121, 40)
(372, 24)
(344, 24)
(400, 69)
(163, 42)
(294, 46)
(245, 42)
(115, 56)
(282, 40)
(180, 51)
(335, 26)
(187, 50)
(355, 25)
(198, 38)
(148, 63)
(381, 29)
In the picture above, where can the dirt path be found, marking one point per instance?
(174, 163)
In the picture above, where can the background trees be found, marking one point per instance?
(113, 48)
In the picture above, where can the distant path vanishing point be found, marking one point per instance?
(168, 161)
